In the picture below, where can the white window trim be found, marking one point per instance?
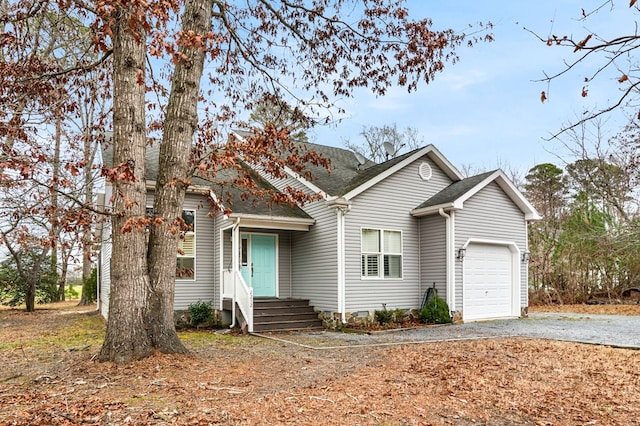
(381, 255)
(195, 251)
(195, 245)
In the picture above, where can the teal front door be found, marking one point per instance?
(258, 263)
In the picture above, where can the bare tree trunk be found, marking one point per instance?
(62, 278)
(30, 295)
(127, 338)
(54, 231)
(85, 299)
(87, 240)
(173, 168)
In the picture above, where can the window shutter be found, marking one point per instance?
(370, 266)
(187, 246)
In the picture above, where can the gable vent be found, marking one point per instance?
(425, 171)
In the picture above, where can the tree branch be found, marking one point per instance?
(69, 70)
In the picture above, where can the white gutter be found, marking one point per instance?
(269, 222)
(450, 259)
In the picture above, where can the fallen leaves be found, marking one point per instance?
(616, 309)
(248, 380)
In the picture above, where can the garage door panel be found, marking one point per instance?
(488, 282)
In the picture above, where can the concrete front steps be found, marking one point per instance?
(271, 314)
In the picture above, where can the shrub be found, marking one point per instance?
(436, 311)
(383, 317)
(71, 293)
(14, 283)
(200, 312)
(90, 287)
(399, 315)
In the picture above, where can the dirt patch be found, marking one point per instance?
(50, 376)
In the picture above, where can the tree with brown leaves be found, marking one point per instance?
(305, 53)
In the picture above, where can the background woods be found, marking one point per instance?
(587, 245)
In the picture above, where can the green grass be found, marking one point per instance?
(81, 330)
(198, 338)
(73, 292)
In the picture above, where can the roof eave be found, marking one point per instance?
(448, 168)
(273, 222)
(530, 212)
(312, 187)
(427, 211)
(509, 188)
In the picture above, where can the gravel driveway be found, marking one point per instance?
(611, 330)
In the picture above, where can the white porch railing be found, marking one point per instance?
(234, 288)
(227, 284)
(244, 299)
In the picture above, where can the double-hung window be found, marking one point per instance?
(381, 253)
(186, 261)
(186, 258)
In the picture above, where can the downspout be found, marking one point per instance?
(525, 265)
(340, 213)
(235, 234)
(449, 259)
(99, 281)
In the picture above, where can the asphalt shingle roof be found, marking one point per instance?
(344, 168)
(231, 195)
(373, 171)
(454, 191)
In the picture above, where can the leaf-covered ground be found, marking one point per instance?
(618, 309)
(49, 376)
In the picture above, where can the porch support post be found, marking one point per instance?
(235, 264)
(342, 208)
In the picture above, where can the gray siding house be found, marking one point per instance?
(378, 235)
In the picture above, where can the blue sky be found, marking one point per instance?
(485, 111)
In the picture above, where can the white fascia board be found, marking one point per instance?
(435, 155)
(510, 189)
(503, 182)
(273, 222)
(530, 212)
(306, 183)
(473, 191)
(291, 173)
(447, 167)
(218, 203)
(426, 211)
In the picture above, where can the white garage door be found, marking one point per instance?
(488, 282)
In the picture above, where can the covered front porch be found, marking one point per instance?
(256, 291)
